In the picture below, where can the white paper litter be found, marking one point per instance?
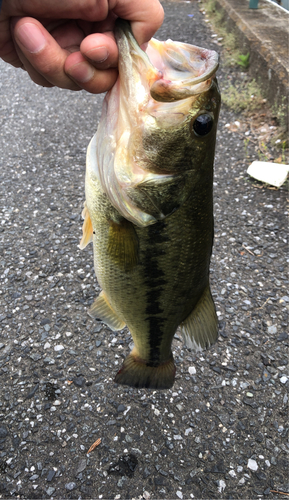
(270, 173)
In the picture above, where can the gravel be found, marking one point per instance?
(221, 431)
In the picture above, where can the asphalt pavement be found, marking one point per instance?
(221, 431)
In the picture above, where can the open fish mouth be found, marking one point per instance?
(172, 70)
(155, 89)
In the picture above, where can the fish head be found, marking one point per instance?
(157, 133)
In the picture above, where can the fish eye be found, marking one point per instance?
(203, 124)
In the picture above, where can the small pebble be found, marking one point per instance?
(50, 491)
(58, 348)
(282, 336)
(252, 464)
(3, 432)
(50, 475)
(272, 329)
(70, 486)
(221, 485)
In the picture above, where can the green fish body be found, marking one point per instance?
(149, 204)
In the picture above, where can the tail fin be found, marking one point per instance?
(137, 373)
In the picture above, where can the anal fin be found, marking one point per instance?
(87, 229)
(200, 328)
(101, 309)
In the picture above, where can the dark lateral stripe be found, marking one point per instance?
(154, 281)
(155, 339)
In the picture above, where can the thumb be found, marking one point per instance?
(145, 17)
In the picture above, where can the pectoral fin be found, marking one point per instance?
(123, 244)
(101, 309)
(200, 328)
(87, 229)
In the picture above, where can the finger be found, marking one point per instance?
(42, 52)
(7, 49)
(37, 77)
(87, 76)
(101, 50)
(146, 17)
(9, 54)
(68, 34)
(88, 10)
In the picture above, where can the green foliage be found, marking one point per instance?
(245, 95)
(231, 55)
(243, 60)
(284, 155)
(263, 152)
(246, 144)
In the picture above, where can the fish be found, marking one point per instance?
(149, 203)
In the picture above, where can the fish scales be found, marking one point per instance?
(152, 223)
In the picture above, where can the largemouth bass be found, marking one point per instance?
(149, 203)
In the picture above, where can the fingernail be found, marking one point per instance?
(81, 72)
(30, 37)
(98, 55)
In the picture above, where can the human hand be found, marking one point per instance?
(70, 44)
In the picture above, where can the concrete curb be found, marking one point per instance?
(264, 32)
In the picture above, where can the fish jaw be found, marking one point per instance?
(186, 69)
(180, 68)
